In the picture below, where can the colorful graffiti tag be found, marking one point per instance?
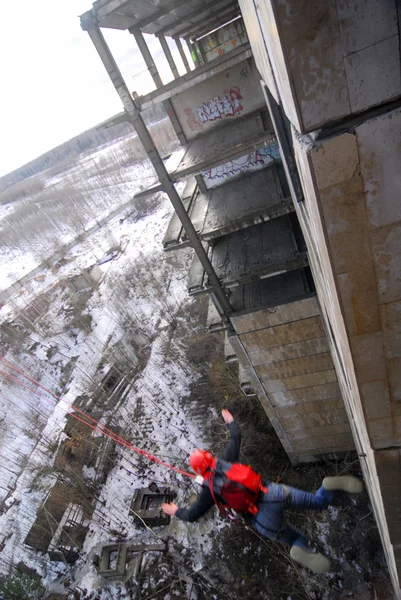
(247, 163)
(217, 107)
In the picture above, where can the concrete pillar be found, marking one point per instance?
(168, 55)
(192, 51)
(199, 54)
(182, 53)
(172, 115)
(89, 24)
(147, 57)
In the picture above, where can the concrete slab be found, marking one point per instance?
(315, 398)
(368, 354)
(241, 203)
(391, 318)
(365, 22)
(257, 252)
(335, 160)
(300, 381)
(289, 351)
(296, 366)
(145, 506)
(197, 280)
(381, 432)
(229, 351)
(379, 150)
(332, 429)
(174, 230)
(376, 399)
(219, 145)
(173, 237)
(195, 77)
(277, 315)
(373, 74)
(346, 222)
(198, 212)
(340, 442)
(386, 246)
(330, 405)
(269, 293)
(308, 420)
(189, 188)
(214, 322)
(281, 335)
(226, 96)
(355, 287)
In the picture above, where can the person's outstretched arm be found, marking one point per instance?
(194, 512)
(231, 451)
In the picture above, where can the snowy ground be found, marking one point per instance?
(138, 316)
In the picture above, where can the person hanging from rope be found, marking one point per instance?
(262, 504)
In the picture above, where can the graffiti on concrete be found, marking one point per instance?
(228, 105)
(192, 120)
(246, 72)
(247, 163)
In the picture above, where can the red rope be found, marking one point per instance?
(97, 425)
(19, 381)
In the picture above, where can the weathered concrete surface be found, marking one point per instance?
(326, 60)
(196, 77)
(175, 230)
(270, 293)
(258, 251)
(241, 203)
(352, 223)
(231, 139)
(224, 96)
(292, 372)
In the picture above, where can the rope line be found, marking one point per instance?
(99, 427)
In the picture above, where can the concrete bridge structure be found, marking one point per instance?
(297, 249)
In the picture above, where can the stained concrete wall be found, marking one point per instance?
(352, 221)
(286, 356)
(219, 99)
(326, 60)
(223, 40)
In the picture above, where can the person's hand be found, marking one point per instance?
(227, 416)
(169, 508)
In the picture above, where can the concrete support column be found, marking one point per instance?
(199, 54)
(201, 184)
(168, 105)
(182, 53)
(88, 23)
(168, 55)
(192, 51)
(150, 63)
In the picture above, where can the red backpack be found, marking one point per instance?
(238, 486)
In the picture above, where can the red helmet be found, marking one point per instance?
(200, 460)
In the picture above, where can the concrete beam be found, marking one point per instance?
(192, 78)
(182, 53)
(147, 57)
(89, 24)
(168, 55)
(171, 6)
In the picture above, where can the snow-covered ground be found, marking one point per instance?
(139, 287)
(65, 330)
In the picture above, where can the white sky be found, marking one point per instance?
(54, 85)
